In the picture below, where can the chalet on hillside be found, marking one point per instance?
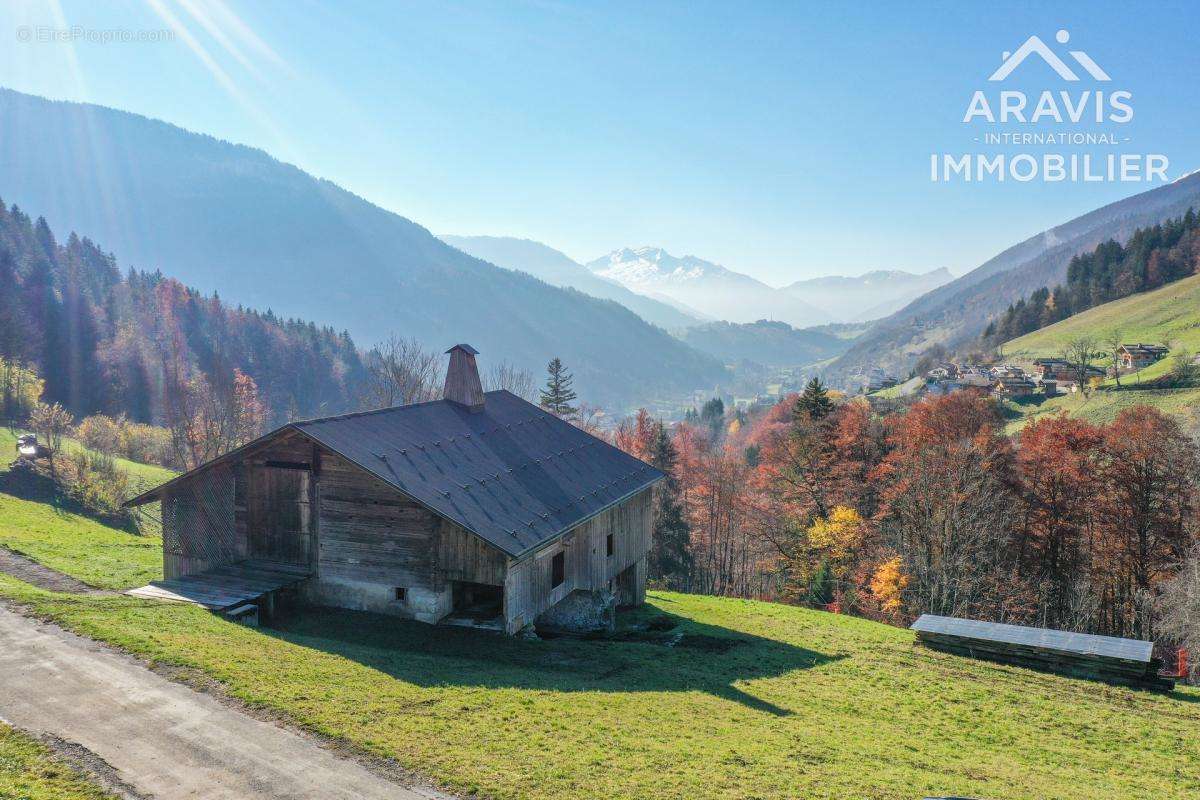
(1139, 356)
(479, 508)
(1057, 369)
(1014, 386)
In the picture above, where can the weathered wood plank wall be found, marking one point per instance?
(463, 556)
(528, 590)
(274, 500)
(369, 531)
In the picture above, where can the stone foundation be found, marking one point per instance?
(420, 604)
(581, 612)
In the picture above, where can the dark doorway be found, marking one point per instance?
(479, 602)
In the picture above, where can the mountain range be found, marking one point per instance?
(231, 219)
(869, 296)
(558, 269)
(709, 288)
(956, 313)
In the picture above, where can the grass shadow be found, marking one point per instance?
(677, 655)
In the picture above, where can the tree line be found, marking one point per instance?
(933, 509)
(116, 344)
(1153, 257)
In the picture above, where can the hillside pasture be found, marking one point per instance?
(695, 697)
(1168, 315)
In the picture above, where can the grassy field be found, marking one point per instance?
(1170, 314)
(96, 554)
(752, 700)
(1104, 405)
(101, 556)
(756, 701)
(1167, 315)
(143, 476)
(29, 771)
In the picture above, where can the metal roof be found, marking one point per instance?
(513, 474)
(1062, 641)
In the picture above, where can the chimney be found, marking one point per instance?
(462, 378)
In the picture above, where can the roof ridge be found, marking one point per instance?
(351, 414)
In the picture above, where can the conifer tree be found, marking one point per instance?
(814, 403)
(670, 560)
(558, 394)
(713, 415)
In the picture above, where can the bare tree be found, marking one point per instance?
(1114, 349)
(1184, 369)
(1179, 606)
(511, 377)
(1079, 353)
(399, 372)
(589, 418)
(209, 417)
(50, 422)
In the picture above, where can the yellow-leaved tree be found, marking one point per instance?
(888, 583)
(837, 536)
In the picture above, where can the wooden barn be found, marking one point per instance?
(480, 508)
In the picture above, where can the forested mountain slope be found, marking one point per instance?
(117, 344)
(960, 310)
(228, 218)
(1153, 257)
(772, 344)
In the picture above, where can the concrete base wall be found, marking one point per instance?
(423, 605)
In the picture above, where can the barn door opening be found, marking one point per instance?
(280, 515)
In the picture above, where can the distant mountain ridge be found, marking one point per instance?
(957, 312)
(559, 269)
(765, 342)
(705, 286)
(868, 296)
(230, 218)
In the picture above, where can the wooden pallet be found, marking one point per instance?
(226, 586)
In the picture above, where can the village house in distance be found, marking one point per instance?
(478, 509)
(1045, 376)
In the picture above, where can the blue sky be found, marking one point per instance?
(785, 140)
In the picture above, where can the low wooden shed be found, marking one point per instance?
(482, 509)
(1078, 655)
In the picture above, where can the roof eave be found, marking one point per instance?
(564, 531)
(151, 495)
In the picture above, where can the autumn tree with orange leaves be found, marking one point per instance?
(933, 509)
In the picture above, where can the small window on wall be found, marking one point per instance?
(558, 569)
(401, 594)
(608, 544)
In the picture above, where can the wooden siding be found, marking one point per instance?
(588, 566)
(291, 500)
(369, 531)
(463, 556)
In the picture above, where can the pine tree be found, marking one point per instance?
(822, 584)
(814, 403)
(558, 394)
(713, 415)
(670, 559)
